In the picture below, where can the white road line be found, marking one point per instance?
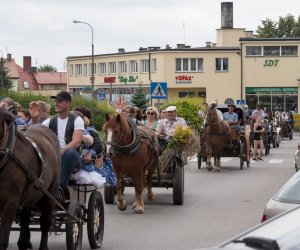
(278, 161)
(223, 159)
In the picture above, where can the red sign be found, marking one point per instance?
(183, 78)
(110, 79)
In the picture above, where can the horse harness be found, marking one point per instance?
(134, 145)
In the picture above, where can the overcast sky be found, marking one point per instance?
(45, 30)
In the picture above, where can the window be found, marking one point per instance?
(85, 69)
(153, 65)
(122, 67)
(189, 64)
(102, 68)
(144, 66)
(133, 66)
(271, 50)
(289, 50)
(71, 70)
(26, 84)
(221, 64)
(112, 68)
(78, 69)
(90, 69)
(253, 51)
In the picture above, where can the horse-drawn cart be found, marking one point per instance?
(240, 141)
(71, 215)
(170, 175)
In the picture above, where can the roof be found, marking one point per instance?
(274, 39)
(187, 49)
(51, 77)
(12, 68)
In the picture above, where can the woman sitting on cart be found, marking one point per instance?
(166, 127)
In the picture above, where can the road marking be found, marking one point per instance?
(223, 159)
(278, 161)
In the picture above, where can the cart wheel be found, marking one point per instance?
(73, 229)
(95, 220)
(178, 182)
(199, 160)
(242, 155)
(109, 194)
(290, 135)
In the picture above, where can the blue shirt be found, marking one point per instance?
(230, 116)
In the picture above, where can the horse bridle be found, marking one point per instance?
(120, 139)
(7, 143)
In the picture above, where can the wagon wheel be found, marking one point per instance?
(242, 155)
(178, 182)
(95, 220)
(109, 194)
(290, 135)
(73, 229)
(199, 160)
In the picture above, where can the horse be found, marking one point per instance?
(215, 136)
(134, 152)
(29, 170)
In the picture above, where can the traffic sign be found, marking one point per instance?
(240, 102)
(101, 96)
(159, 90)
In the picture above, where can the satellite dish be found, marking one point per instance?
(229, 101)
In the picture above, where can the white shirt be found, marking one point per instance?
(61, 128)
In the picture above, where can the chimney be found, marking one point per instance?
(168, 46)
(8, 57)
(214, 44)
(121, 50)
(227, 15)
(26, 63)
(208, 44)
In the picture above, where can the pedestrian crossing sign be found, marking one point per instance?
(159, 90)
(240, 102)
(101, 96)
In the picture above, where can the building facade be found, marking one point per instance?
(239, 66)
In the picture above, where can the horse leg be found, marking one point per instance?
(208, 161)
(24, 238)
(7, 216)
(122, 205)
(139, 203)
(218, 159)
(46, 206)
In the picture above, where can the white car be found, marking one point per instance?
(297, 157)
(286, 198)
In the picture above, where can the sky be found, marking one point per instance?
(45, 30)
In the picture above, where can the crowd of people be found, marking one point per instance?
(80, 143)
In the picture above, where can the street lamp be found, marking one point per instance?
(93, 73)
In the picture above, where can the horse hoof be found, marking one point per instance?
(134, 205)
(122, 207)
(151, 197)
(209, 169)
(139, 210)
(218, 170)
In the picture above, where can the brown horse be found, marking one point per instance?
(134, 152)
(215, 136)
(23, 175)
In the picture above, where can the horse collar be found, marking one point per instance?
(8, 143)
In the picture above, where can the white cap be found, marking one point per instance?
(171, 108)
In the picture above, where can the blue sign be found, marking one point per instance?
(240, 102)
(159, 90)
(101, 96)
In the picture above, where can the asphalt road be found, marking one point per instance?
(217, 206)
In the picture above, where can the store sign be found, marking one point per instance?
(274, 90)
(129, 79)
(271, 63)
(110, 79)
(184, 79)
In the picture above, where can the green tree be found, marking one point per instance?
(5, 81)
(47, 68)
(285, 27)
(139, 99)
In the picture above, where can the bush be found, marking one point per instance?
(98, 108)
(188, 109)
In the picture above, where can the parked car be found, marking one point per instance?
(286, 198)
(297, 157)
(280, 232)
